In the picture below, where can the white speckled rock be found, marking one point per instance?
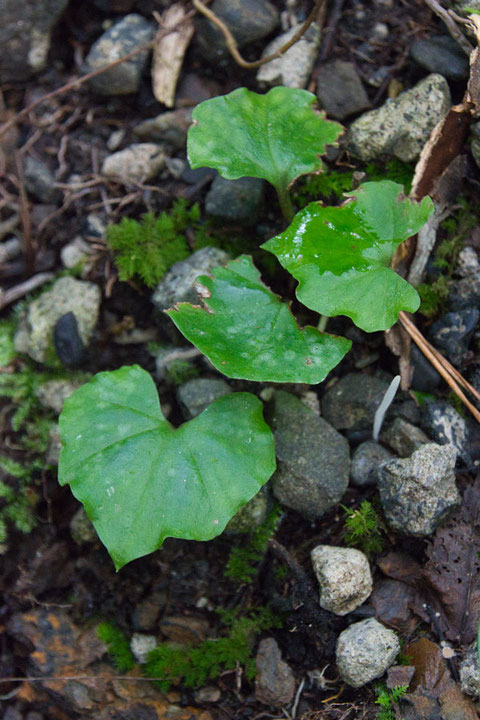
(344, 577)
(142, 644)
(401, 127)
(35, 329)
(365, 651)
(140, 161)
(292, 69)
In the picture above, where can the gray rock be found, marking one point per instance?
(293, 68)
(475, 145)
(404, 438)
(39, 181)
(250, 516)
(25, 35)
(53, 393)
(419, 492)
(366, 461)
(464, 293)
(130, 32)
(340, 91)
(467, 262)
(197, 394)
(313, 458)
(401, 127)
(469, 671)
(452, 333)
(274, 682)
(177, 284)
(344, 577)
(446, 426)
(54, 446)
(365, 651)
(352, 402)
(138, 162)
(247, 20)
(425, 378)
(35, 331)
(235, 200)
(81, 528)
(379, 33)
(142, 644)
(441, 54)
(168, 128)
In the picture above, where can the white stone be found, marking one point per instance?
(467, 262)
(344, 577)
(137, 163)
(292, 69)
(141, 645)
(365, 651)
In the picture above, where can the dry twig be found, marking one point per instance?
(231, 43)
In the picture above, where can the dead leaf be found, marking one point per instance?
(399, 675)
(393, 601)
(453, 570)
(168, 53)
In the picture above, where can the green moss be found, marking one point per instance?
(194, 666)
(387, 699)
(363, 528)
(7, 350)
(433, 296)
(118, 646)
(243, 562)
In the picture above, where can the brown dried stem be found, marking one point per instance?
(446, 370)
(231, 43)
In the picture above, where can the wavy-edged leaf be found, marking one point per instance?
(341, 256)
(277, 136)
(141, 480)
(247, 332)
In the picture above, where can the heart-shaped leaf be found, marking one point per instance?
(341, 256)
(141, 480)
(247, 332)
(277, 136)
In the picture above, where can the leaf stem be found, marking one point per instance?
(285, 203)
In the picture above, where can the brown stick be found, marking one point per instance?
(231, 43)
(74, 84)
(447, 371)
(28, 247)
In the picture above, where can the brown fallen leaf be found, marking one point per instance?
(453, 570)
(168, 53)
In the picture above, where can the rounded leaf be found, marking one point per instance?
(341, 256)
(277, 136)
(247, 332)
(141, 480)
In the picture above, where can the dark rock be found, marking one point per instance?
(464, 293)
(452, 333)
(275, 682)
(425, 378)
(146, 613)
(25, 33)
(340, 91)
(177, 283)
(193, 89)
(446, 426)
(39, 181)
(68, 342)
(418, 493)
(235, 200)
(130, 32)
(352, 402)
(441, 54)
(366, 461)
(197, 394)
(199, 175)
(313, 458)
(247, 20)
(404, 438)
(169, 128)
(12, 713)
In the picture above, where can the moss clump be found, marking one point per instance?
(388, 699)
(194, 666)
(118, 646)
(146, 249)
(363, 528)
(243, 562)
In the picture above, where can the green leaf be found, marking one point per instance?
(247, 332)
(277, 136)
(341, 256)
(141, 480)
